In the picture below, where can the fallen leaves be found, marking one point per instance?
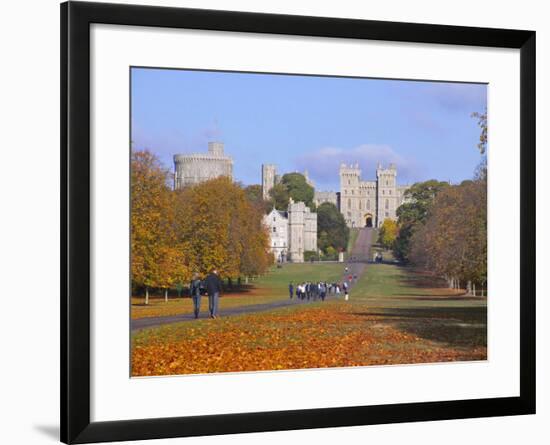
(318, 336)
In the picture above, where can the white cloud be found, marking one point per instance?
(323, 165)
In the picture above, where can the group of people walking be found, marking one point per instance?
(313, 291)
(308, 290)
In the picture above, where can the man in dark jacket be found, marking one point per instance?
(213, 288)
(291, 290)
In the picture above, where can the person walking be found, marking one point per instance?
(195, 292)
(346, 292)
(213, 288)
(291, 290)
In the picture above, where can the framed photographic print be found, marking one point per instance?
(278, 222)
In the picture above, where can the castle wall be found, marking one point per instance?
(310, 231)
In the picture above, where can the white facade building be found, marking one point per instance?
(292, 233)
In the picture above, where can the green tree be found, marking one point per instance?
(254, 193)
(279, 196)
(298, 189)
(413, 212)
(331, 228)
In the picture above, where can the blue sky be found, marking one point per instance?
(313, 123)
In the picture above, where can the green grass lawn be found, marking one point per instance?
(271, 287)
(419, 303)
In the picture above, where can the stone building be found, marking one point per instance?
(292, 232)
(321, 197)
(369, 203)
(190, 169)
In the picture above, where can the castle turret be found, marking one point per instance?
(350, 178)
(387, 194)
(194, 168)
(269, 179)
(296, 231)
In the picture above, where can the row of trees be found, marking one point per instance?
(452, 241)
(443, 227)
(174, 233)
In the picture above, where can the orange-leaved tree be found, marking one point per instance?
(158, 258)
(223, 229)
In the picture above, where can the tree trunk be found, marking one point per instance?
(146, 295)
(166, 295)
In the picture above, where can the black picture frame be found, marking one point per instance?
(76, 18)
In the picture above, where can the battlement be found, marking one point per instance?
(391, 170)
(351, 168)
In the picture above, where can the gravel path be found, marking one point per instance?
(360, 254)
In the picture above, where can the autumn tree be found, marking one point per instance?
(254, 193)
(453, 240)
(388, 233)
(157, 257)
(223, 228)
(482, 123)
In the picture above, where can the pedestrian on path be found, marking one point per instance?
(213, 288)
(291, 290)
(195, 292)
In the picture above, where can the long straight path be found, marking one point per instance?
(360, 254)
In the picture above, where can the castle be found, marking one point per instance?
(190, 169)
(362, 203)
(292, 232)
(369, 203)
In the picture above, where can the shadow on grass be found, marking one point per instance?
(463, 327)
(437, 297)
